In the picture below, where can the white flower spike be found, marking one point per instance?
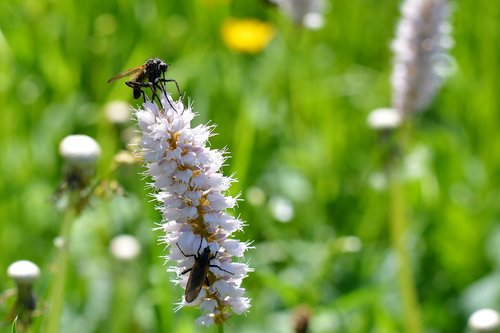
(191, 190)
(420, 52)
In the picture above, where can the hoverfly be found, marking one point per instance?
(150, 75)
(199, 271)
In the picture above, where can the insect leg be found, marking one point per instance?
(137, 85)
(130, 84)
(222, 269)
(199, 247)
(153, 87)
(185, 255)
(186, 271)
(159, 84)
(217, 266)
(163, 80)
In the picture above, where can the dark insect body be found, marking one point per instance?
(150, 75)
(199, 271)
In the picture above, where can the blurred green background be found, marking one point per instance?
(310, 170)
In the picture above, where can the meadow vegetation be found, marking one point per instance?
(311, 172)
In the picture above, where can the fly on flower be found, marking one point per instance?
(150, 75)
(199, 271)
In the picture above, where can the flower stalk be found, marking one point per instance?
(420, 60)
(398, 228)
(80, 154)
(56, 292)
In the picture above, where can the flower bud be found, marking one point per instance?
(484, 321)
(79, 150)
(384, 119)
(80, 153)
(24, 273)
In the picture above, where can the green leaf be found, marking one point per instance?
(14, 323)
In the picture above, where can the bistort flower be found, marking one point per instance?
(192, 193)
(420, 51)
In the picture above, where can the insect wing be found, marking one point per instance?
(129, 72)
(195, 281)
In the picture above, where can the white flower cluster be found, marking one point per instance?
(420, 51)
(191, 190)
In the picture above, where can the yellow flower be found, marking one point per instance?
(246, 35)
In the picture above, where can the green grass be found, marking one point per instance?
(294, 119)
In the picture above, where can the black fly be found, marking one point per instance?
(199, 271)
(150, 75)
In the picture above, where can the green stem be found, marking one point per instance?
(56, 293)
(398, 226)
(220, 328)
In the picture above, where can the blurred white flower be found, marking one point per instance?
(125, 247)
(378, 181)
(417, 163)
(59, 242)
(484, 320)
(350, 244)
(313, 21)
(24, 272)
(79, 150)
(80, 153)
(117, 112)
(281, 209)
(256, 196)
(420, 53)
(384, 118)
(191, 189)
